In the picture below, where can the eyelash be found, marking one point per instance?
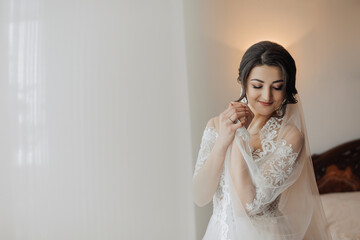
(278, 89)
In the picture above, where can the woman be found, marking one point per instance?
(254, 160)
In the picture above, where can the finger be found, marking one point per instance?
(233, 113)
(243, 110)
(237, 110)
(248, 110)
(227, 112)
(237, 105)
(226, 115)
(234, 106)
(243, 119)
(228, 118)
(238, 115)
(237, 125)
(233, 116)
(246, 107)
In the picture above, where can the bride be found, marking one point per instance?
(254, 161)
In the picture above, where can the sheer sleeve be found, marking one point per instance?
(207, 143)
(284, 202)
(272, 176)
(208, 167)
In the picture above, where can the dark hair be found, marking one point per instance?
(271, 54)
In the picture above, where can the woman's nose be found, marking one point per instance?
(267, 94)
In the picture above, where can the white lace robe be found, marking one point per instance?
(274, 173)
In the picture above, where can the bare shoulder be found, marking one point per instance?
(213, 122)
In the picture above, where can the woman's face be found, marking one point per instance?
(265, 89)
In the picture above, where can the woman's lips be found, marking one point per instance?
(265, 103)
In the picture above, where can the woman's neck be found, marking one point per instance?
(257, 123)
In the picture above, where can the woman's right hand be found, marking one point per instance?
(234, 117)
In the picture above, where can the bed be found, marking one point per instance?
(337, 173)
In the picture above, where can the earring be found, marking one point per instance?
(244, 100)
(280, 110)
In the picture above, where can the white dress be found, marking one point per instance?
(222, 218)
(286, 203)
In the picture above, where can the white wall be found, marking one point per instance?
(95, 126)
(323, 36)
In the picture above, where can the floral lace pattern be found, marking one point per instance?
(221, 199)
(268, 211)
(268, 133)
(282, 166)
(207, 143)
(221, 203)
(275, 173)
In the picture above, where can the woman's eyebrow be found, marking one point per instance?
(255, 79)
(278, 81)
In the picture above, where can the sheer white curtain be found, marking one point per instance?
(95, 126)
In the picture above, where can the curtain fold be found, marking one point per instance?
(95, 130)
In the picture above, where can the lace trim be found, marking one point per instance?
(258, 200)
(221, 202)
(207, 143)
(267, 135)
(221, 199)
(270, 210)
(243, 133)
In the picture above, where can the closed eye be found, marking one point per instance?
(257, 87)
(279, 88)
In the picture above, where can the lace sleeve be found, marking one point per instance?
(280, 167)
(207, 143)
(275, 172)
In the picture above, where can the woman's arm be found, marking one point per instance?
(241, 177)
(213, 151)
(206, 179)
(276, 174)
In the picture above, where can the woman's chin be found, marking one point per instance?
(266, 113)
(261, 110)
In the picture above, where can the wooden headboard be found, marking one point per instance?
(338, 169)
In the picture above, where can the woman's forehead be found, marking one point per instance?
(266, 74)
